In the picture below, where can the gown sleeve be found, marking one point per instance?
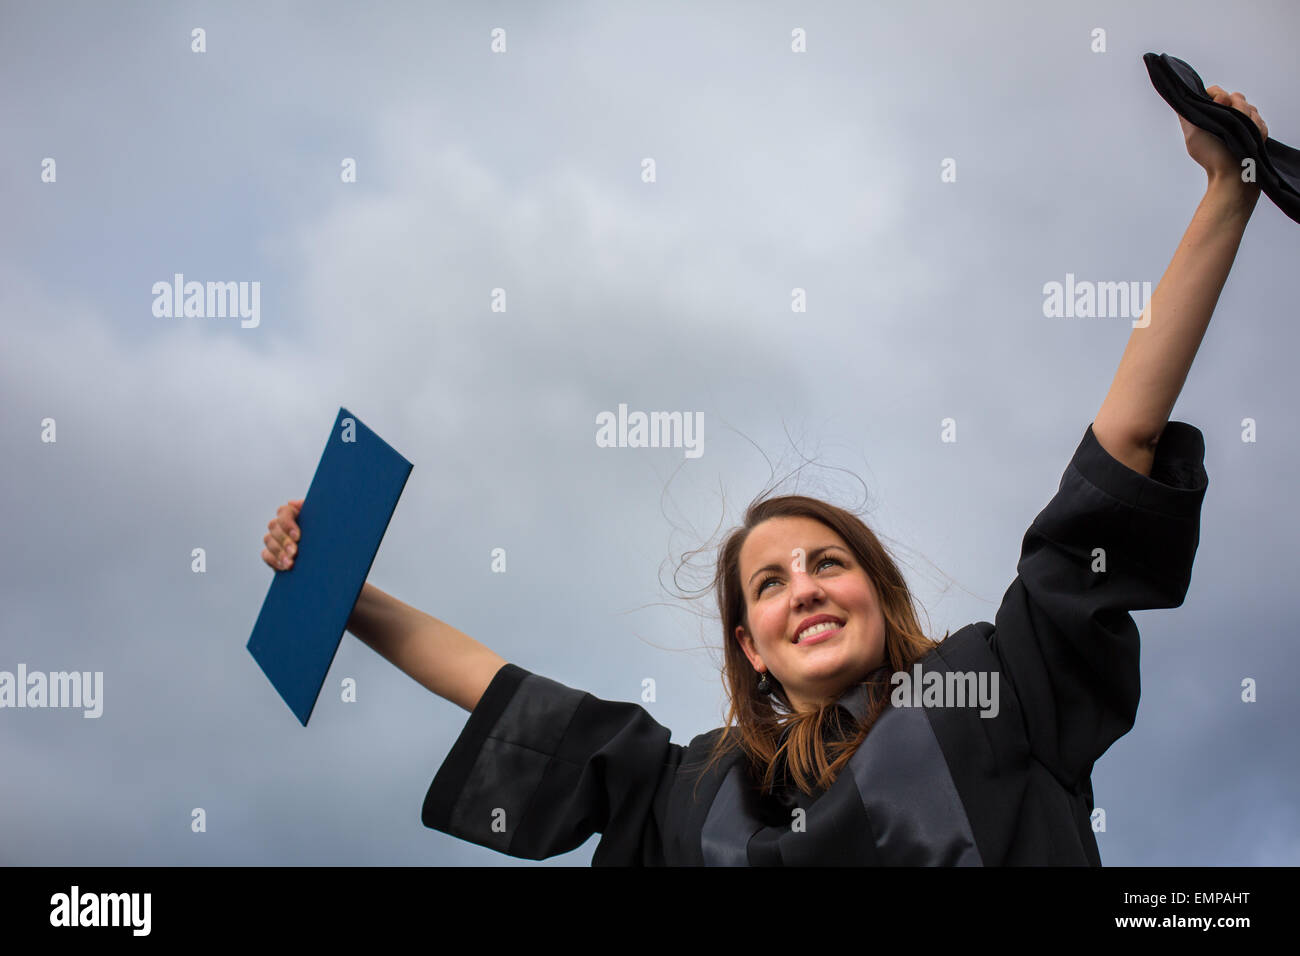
(1063, 634)
(539, 767)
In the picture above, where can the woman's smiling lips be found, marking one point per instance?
(820, 635)
(810, 622)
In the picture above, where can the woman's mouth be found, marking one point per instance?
(818, 633)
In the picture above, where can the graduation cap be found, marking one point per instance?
(343, 518)
(1277, 166)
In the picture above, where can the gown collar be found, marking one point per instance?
(857, 699)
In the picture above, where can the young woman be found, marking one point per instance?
(827, 759)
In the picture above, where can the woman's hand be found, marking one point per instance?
(282, 535)
(1209, 151)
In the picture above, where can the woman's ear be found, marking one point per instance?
(747, 645)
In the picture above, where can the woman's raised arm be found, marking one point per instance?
(448, 662)
(1162, 346)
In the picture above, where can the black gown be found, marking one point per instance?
(539, 767)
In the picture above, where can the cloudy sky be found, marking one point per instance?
(525, 170)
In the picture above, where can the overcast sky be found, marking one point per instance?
(525, 170)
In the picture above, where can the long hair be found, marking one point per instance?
(773, 736)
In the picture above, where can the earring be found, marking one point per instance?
(764, 685)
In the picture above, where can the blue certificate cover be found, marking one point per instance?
(343, 518)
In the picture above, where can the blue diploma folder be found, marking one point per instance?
(343, 518)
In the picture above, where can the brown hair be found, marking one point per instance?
(752, 722)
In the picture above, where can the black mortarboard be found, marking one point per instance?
(1277, 166)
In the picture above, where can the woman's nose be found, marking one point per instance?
(804, 586)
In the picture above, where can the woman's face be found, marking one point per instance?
(792, 569)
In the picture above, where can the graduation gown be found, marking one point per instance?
(539, 767)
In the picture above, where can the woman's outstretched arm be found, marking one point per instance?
(1162, 346)
(448, 662)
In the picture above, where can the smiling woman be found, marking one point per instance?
(816, 762)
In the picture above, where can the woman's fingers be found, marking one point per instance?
(1238, 101)
(276, 558)
(282, 535)
(276, 553)
(279, 544)
(286, 521)
(1259, 121)
(272, 554)
(280, 531)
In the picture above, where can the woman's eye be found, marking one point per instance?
(766, 581)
